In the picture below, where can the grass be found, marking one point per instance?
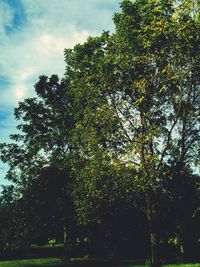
(57, 245)
(183, 265)
(32, 262)
(55, 262)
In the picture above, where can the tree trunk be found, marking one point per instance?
(154, 259)
(69, 242)
(69, 229)
(66, 256)
(153, 234)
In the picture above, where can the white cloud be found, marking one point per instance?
(36, 54)
(38, 47)
(41, 53)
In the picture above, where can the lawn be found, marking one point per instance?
(32, 262)
(55, 262)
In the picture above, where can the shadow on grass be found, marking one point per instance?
(99, 263)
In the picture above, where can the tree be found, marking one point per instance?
(14, 232)
(42, 136)
(99, 185)
(39, 153)
(146, 76)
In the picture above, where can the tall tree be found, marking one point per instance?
(155, 83)
(146, 75)
(41, 148)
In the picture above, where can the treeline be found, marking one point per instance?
(105, 159)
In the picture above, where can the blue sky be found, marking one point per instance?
(33, 35)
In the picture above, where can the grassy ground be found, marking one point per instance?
(55, 262)
(31, 262)
(183, 265)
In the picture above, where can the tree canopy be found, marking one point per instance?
(122, 126)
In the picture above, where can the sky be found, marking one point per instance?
(33, 35)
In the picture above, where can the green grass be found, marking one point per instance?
(183, 265)
(55, 262)
(32, 262)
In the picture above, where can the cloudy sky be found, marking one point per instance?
(33, 35)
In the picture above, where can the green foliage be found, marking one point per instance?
(122, 128)
(146, 75)
(131, 91)
(38, 161)
(48, 198)
(14, 231)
